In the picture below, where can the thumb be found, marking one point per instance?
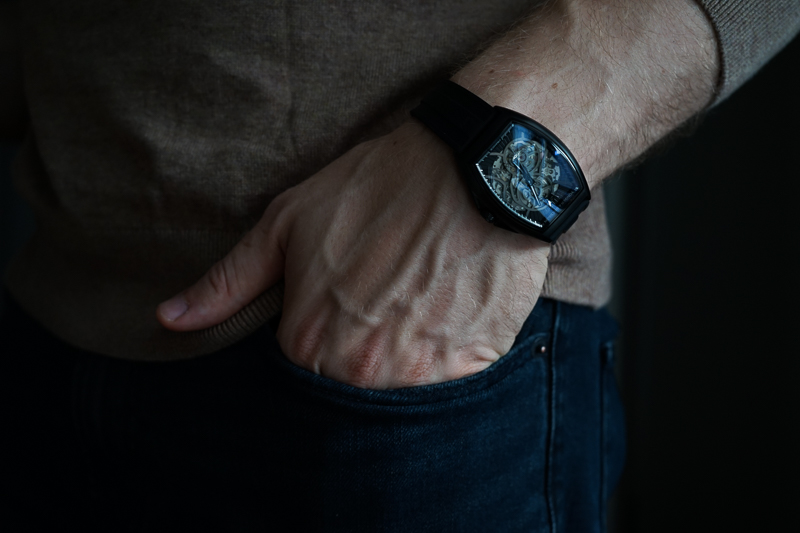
(255, 264)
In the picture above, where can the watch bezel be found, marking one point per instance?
(491, 206)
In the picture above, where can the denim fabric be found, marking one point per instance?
(242, 440)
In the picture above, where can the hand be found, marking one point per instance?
(393, 279)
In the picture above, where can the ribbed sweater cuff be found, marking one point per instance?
(749, 33)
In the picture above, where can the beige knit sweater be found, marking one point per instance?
(162, 129)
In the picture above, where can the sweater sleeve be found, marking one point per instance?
(749, 33)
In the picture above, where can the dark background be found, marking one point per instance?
(706, 289)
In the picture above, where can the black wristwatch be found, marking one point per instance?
(523, 178)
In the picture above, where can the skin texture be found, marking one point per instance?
(392, 277)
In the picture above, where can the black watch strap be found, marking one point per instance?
(454, 114)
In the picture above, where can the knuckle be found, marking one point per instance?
(304, 343)
(278, 208)
(261, 234)
(275, 221)
(280, 202)
(420, 371)
(221, 279)
(304, 349)
(253, 238)
(363, 366)
(362, 369)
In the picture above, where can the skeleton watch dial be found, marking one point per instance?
(530, 175)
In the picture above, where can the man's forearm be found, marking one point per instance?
(609, 77)
(393, 278)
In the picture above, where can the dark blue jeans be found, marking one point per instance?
(242, 440)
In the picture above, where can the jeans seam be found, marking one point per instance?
(549, 489)
(603, 433)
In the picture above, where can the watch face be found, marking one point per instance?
(529, 175)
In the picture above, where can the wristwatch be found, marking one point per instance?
(522, 177)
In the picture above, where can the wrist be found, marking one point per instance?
(609, 78)
(522, 177)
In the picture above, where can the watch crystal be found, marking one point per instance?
(530, 175)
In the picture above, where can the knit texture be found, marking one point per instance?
(749, 33)
(162, 130)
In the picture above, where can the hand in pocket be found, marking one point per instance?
(393, 278)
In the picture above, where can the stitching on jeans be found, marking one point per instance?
(551, 507)
(519, 357)
(501, 374)
(603, 433)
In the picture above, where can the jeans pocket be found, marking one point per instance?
(465, 455)
(469, 388)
